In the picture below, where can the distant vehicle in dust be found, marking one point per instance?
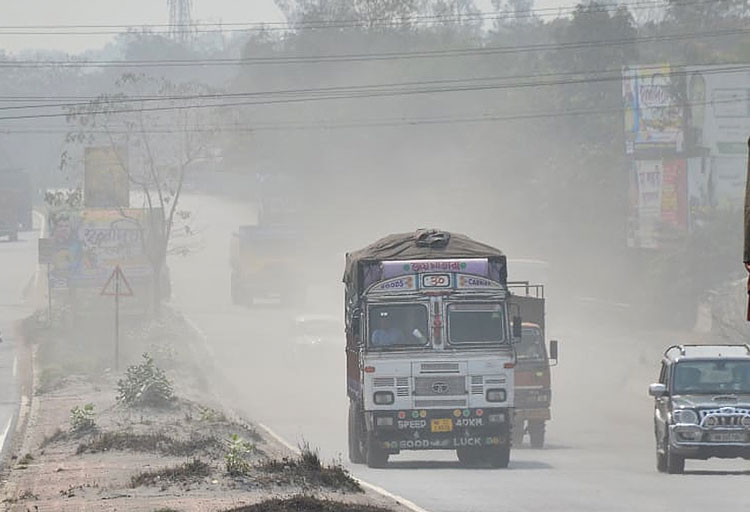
(316, 335)
(15, 203)
(265, 265)
(701, 404)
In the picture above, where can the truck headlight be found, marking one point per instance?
(384, 421)
(496, 395)
(383, 398)
(685, 416)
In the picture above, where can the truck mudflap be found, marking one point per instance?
(440, 429)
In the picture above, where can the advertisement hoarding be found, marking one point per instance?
(106, 181)
(654, 115)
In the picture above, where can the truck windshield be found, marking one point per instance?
(475, 323)
(398, 326)
(712, 377)
(531, 347)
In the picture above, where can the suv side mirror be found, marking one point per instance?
(517, 329)
(657, 390)
(553, 355)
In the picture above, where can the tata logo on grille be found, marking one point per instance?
(440, 388)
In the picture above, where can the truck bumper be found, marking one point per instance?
(439, 429)
(533, 414)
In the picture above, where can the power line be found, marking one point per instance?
(383, 56)
(386, 89)
(440, 19)
(391, 122)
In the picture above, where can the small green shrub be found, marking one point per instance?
(82, 418)
(145, 384)
(237, 449)
(209, 415)
(187, 472)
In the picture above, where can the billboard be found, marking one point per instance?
(88, 244)
(653, 111)
(719, 98)
(658, 201)
(106, 181)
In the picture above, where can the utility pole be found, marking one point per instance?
(180, 19)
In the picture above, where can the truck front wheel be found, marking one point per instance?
(536, 433)
(355, 429)
(377, 457)
(499, 456)
(470, 456)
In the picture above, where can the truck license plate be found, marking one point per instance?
(441, 425)
(727, 437)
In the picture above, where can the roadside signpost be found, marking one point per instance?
(46, 252)
(117, 286)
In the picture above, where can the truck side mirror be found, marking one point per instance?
(553, 351)
(517, 329)
(356, 324)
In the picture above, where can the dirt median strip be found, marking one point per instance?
(82, 448)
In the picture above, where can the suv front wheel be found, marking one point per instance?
(675, 464)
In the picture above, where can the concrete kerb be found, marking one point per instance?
(24, 369)
(399, 499)
(286, 444)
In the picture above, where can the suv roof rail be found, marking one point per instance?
(682, 347)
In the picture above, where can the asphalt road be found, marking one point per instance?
(600, 454)
(17, 266)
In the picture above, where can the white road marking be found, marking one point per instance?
(15, 366)
(5, 434)
(403, 501)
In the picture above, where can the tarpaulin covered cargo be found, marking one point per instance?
(423, 244)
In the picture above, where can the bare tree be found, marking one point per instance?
(158, 130)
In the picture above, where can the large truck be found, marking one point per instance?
(264, 263)
(533, 360)
(429, 349)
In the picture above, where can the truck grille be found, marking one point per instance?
(402, 386)
(439, 368)
(439, 403)
(383, 382)
(439, 386)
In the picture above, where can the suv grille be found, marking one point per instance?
(725, 416)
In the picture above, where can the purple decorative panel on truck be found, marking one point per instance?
(474, 266)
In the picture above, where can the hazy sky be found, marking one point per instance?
(133, 12)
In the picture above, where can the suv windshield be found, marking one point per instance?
(398, 326)
(712, 377)
(531, 347)
(475, 323)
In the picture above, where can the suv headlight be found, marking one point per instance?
(685, 416)
(383, 398)
(496, 395)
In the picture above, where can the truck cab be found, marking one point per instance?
(430, 360)
(533, 361)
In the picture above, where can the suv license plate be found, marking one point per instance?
(441, 425)
(727, 437)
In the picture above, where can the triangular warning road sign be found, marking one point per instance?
(117, 284)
